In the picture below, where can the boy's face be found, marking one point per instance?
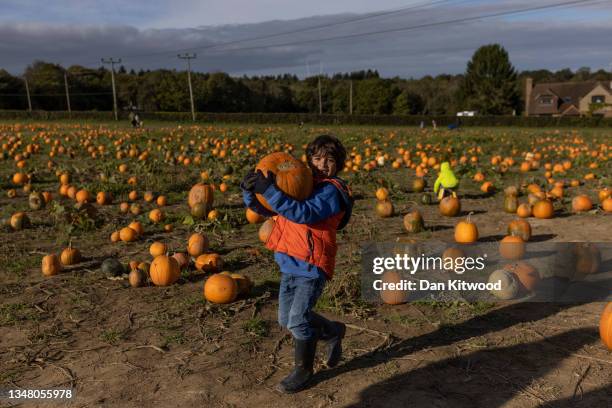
(324, 165)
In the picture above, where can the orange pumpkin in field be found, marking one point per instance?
(450, 206)
(197, 244)
(607, 205)
(292, 176)
(164, 270)
(520, 228)
(526, 274)
(512, 247)
(466, 231)
(220, 288)
(201, 193)
(209, 262)
(543, 209)
(605, 326)
(393, 296)
(524, 210)
(253, 217)
(581, 203)
(127, 234)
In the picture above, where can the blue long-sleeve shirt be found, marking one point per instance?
(324, 202)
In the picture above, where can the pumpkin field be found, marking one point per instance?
(131, 272)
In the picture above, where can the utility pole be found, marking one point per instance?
(67, 94)
(189, 57)
(113, 61)
(350, 97)
(28, 93)
(320, 101)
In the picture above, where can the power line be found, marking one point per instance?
(416, 27)
(300, 30)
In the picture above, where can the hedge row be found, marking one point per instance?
(296, 118)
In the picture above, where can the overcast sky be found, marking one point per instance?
(415, 37)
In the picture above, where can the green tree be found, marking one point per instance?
(408, 103)
(490, 84)
(10, 87)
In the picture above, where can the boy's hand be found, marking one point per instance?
(248, 182)
(262, 182)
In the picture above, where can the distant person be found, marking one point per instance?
(134, 119)
(422, 124)
(446, 183)
(434, 124)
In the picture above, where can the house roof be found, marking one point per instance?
(568, 109)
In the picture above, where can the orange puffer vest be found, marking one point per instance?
(312, 243)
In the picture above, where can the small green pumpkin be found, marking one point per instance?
(112, 267)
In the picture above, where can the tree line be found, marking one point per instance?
(490, 85)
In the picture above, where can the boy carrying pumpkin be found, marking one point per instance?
(304, 243)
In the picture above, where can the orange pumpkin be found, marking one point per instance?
(384, 209)
(607, 205)
(265, 230)
(164, 270)
(292, 176)
(588, 258)
(83, 196)
(162, 201)
(450, 206)
(197, 244)
(156, 215)
(70, 256)
(466, 231)
(51, 265)
(124, 207)
(137, 226)
(182, 259)
(201, 193)
(512, 247)
(103, 198)
(520, 228)
(527, 275)
(581, 203)
(543, 209)
(127, 234)
(393, 296)
(220, 288)
(605, 326)
(524, 210)
(253, 217)
(157, 248)
(382, 194)
(209, 262)
(244, 283)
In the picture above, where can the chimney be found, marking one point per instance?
(528, 89)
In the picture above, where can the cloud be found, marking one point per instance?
(539, 41)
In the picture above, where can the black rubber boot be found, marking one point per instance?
(302, 373)
(332, 333)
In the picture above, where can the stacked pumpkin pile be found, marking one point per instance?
(384, 207)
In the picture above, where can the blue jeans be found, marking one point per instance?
(297, 297)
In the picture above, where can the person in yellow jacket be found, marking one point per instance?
(446, 182)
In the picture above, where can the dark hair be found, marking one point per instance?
(330, 145)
